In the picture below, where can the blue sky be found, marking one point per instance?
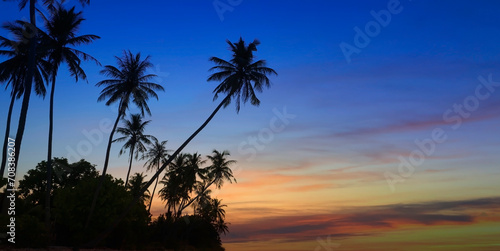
(359, 116)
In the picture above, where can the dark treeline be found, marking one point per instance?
(73, 204)
(185, 183)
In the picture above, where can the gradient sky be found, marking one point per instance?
(317, 180)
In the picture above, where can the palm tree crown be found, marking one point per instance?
(13, 70)
(134, 137)
(129, 81)
(156, 154)
(137, 183)
(242, 75)
(220, 170)
(61, 33)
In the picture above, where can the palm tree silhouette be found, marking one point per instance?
(128, 83)
(155, 155)
(31, 38)
(134, 138)
(220, 171)
(219, 215)
(216, 174)
(137, 183)
(14, 70)
(174, 186)
(61, 27)
(213, 211)
(188, 173)
(241, 77)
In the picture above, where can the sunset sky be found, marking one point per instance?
(380, 131)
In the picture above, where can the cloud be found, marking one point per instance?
(369, 220)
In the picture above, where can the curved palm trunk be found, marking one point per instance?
(103, 235)
(49, 156)
(7, 132)
(153, 194)
(130, 164)
(101, 181)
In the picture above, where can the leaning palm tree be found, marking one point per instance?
(134, 137)
(62, 26)
(155, 155)
(240, 78)
(14, 70)
(128, 83)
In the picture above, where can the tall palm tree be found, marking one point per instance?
(62, 26)
(155, 155)
(14, 70)
(133, 135)
(31, 38)
(241, 77)
(128, 83)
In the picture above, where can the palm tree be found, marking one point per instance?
(174, 188)
(156, 155)
(216, 173)
(220, 171)
(202, 195)
(137, 182)
(240, 77)
(133, 132)
(213, 211)
(61, 27)
(128, 83)
(30, 37)
(188, 174)
(14, 70)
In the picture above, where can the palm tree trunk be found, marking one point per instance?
(130, 164)
(28, 81)
(7, 132)
(103, 175)
(4, 152)
(153, 194)
(49, 156)
(103, 235)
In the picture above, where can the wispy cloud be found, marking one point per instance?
(359, 221)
